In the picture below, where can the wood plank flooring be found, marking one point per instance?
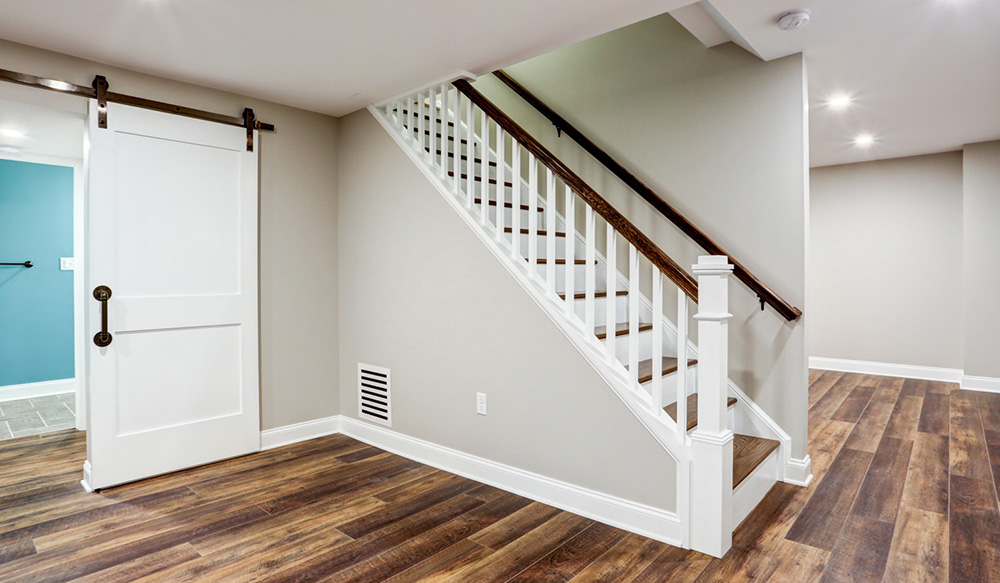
(905, 491)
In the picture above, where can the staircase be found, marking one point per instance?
(619, 299)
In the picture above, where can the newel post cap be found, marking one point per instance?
(712, 265)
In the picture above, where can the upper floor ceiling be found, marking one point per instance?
(922, 75)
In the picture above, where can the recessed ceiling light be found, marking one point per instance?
(9, 133)
(794, 19)
(864, 140)
(839, 101)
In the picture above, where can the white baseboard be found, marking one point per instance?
(85, 482)
(32, 390)
(639, 518)
(909, 371)
(984, 384)
(799, 471)
(289, 434)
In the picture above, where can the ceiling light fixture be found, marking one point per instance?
(794, 19)
(9, 133)
(864, 140)
(839, 101)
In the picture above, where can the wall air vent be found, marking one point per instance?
(374, 394)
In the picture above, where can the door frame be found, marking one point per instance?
(79, 379)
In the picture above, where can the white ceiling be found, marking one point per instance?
(314, 54)
(925, 74)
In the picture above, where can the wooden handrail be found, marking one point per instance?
(765, 293)
(614, 218)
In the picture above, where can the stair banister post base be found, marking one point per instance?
(712, 441)
(712, 492)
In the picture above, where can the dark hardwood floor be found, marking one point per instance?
(905, 491)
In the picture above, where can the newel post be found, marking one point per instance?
(712, 440)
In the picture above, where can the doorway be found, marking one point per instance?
(41, 241)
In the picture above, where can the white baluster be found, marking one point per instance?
(456, 157)
(398, 118)
(443, 127)
(682, 358)
(432, 126)
(590, 271)
(470, 154)
(515, 201)
(633, 318)
(532, 215)
(484, 168)
(657, 349)
(421, 138)
(550, 230)
(501, 162)
(569, 245)
(611, 316)
(411, 120)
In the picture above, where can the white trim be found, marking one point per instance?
(910, 371)
(289, 434)
(798, 471)
(32, 390)
(642, 519)
(984, 384)
(85, 482)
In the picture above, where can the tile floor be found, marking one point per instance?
(38, 415)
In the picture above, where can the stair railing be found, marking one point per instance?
(764, 293)
(489, 164)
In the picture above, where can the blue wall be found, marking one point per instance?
(36, 304)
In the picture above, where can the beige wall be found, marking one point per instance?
(982, 273)
(421, 295)
(298, 226)
(886, 261)
(720, 136)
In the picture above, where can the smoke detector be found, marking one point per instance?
(794, 19)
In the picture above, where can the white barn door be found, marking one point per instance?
(172, 236)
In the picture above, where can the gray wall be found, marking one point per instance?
(720, 136)
(421, 295)
(886, 261)
(982, 274)
(298, 226)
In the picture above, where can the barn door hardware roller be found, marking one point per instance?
(100, 90)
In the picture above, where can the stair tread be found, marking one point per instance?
(438, 135)
(480, 179)
(540, 232)
(406, 112)
(506, 204)
(597, 294)
(669, 365)
(563, 261)
(621, 329)
(692, 410)
(748, 453)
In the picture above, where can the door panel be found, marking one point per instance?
(172, 210)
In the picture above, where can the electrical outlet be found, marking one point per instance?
(481, 403)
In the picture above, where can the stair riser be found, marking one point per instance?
(670, 383)
(645, 346)
(542, 242)
(509, 212)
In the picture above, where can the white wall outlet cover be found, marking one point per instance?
(481, 403)
(67, 263)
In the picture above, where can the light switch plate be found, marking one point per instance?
(67, 263)
(481, 403)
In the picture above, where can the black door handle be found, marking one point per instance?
(102, 293)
